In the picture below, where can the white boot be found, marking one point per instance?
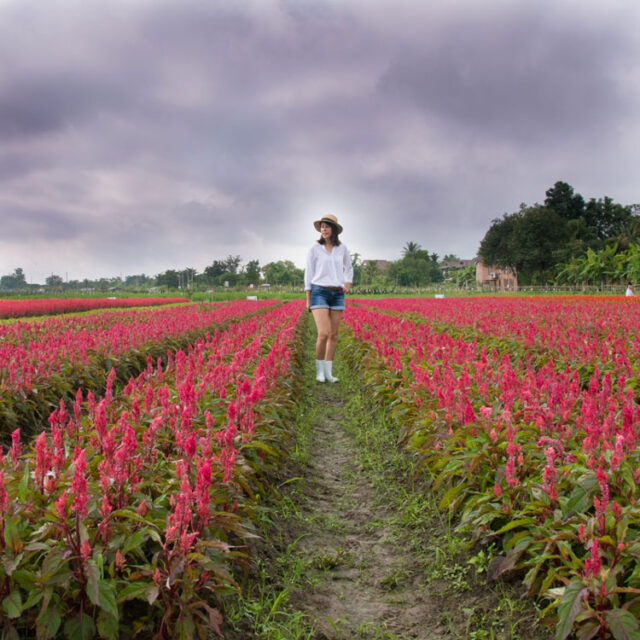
(328, 371)
(320, 370)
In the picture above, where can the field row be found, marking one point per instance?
(129, 514)
(536, 460)
(54, 306)
(46, 359)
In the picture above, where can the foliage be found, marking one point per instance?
(54, 306)
(131, 515)
(608, 265)
(416, 268)
(536, 239)
(283, 272)
(524, 415)
(45, 360)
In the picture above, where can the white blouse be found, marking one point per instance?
(328, 269)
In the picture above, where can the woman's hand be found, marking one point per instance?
(347, 287)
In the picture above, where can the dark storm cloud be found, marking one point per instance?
(18, 223)
(522, 77)
(157, 134)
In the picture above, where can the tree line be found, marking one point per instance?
(549, 243)
(417, 268)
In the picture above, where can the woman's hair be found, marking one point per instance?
(335, 241)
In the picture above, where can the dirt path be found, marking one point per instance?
(363, 583)
(357, 548)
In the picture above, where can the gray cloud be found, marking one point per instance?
(153, 135)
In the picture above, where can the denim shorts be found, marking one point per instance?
(323, 298)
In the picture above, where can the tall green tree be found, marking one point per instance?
(563, 201)
(283, 272)
(252, 272)
(416, 269)
(410, 248)
(16, 280)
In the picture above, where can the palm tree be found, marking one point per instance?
(411, 248)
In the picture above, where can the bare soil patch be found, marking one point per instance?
(366, 583)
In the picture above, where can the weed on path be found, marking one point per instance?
(355, 549)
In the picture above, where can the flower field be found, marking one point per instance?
(127, 516)
(146, 438)
(54, 306)
(524, 413)
(44, 360)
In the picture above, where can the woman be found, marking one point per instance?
(327, 278)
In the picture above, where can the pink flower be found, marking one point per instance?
(61, 506)
(4, 496)
(16, 447)
(593, 564)
(85, 550)
(79, 486)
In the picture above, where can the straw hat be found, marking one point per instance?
(330, 220)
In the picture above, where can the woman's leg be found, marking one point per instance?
(332, 342)
(323, 325)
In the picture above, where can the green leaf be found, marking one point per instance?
(515, 523)
(11, 535)
(93, 582)
(49, 624)
(622, 624)
(12, 604)
(107, 598)
(580, 498)
(133, 590)
(134, 541)
(256, 444)
(82, 627)
(107, 626)
(449, 496)
(569, 608)
(23, 488)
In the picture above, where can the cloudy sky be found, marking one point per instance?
(143, 135)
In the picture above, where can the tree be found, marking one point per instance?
(356, 263)
(561, 199)
(232, 263)
(252, 272)
(215, 270)
(283, 272)
(500, 243)
(16, 280)
(369, 271)
(608, 218)
(54, 282)
(410, 248)
(168, 279)
(417, 268)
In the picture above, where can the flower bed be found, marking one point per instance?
(130, 514)
(536, 455)
(42, 361)
(54, 306)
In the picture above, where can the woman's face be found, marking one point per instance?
(325, 230)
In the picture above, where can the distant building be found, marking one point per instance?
(448, 267)
(381, 264)
(496, 278)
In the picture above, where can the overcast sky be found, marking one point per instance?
(143, 135)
